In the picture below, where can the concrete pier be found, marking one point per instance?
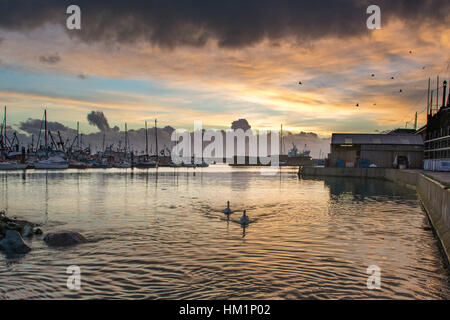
(435, 196)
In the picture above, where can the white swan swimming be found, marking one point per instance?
(227, 210)
(245, 219)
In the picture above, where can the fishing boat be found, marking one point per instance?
(123, 165)
(174, 165)
(52, 163)
(101, 165)
(189, 165)
(203, 165)
(79, 165)
(294, 152)
(146, 164)
(12, 166)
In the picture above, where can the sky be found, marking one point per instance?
(219, 61)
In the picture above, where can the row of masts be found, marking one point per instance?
(431, 95)
(50, 142)
(431, 105)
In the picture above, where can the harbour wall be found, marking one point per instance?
(435, 196)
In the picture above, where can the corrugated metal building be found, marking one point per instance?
(381, 150)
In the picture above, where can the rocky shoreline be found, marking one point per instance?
(13, 231)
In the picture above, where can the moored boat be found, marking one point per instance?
(146, 164)
(12, 166)
(79, 165)
(52, 163)
(123, 165)
(101, 165)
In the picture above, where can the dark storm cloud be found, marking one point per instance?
(232, 23)
(34, 125)
(98, 119)
(241, 124)
(50, 59)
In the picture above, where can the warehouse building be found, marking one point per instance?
(393, 150)
(436, 135)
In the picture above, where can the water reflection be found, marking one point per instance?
(360, 189)
(162, 234)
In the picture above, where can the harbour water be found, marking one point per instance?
(162, 236)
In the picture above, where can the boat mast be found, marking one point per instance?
(78, 135)
(156, 137)
(437, 94)
(103, 144)
(281, 140)
(4, 128)
(126, 139)
(428, 98)
(431, 103)
(146, 139)
(45, 129)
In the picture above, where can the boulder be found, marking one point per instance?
(27, 231)
(2, 229)
(13, 243)
(64, 239)
(13, 226)
(21, 226)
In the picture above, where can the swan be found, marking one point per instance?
(227, 210)
(245, 219)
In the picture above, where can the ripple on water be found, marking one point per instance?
(165, 237)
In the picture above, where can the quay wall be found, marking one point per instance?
(435, 196)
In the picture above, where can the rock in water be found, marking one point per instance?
(2, 230)
(27, 231)
(13, 243)
(64, 239)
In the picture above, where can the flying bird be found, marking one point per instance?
(373, 75)
(410, 52)
(401, 91)
(300, 83)
(357, 104)
(392, 78)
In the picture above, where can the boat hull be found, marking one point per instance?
(145, 165)
(13, 166)
(47, 166)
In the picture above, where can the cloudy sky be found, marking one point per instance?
(218, 61)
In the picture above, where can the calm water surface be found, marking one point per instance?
(163, 236)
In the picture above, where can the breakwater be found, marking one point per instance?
(434, 195)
